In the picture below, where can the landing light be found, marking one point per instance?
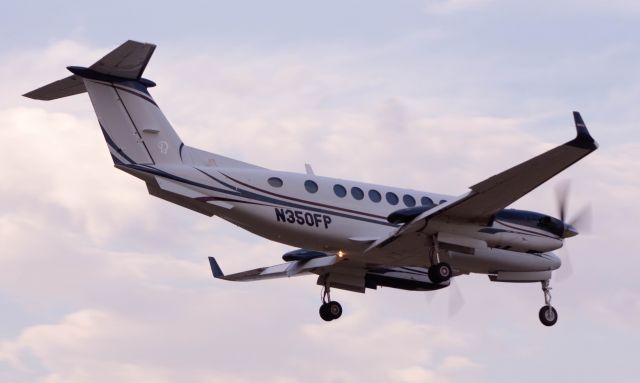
(340, 254)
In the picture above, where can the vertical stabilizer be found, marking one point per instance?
(136, 130)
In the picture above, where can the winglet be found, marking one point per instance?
(583, 138)
(215, 269)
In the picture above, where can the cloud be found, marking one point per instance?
(116, 286)
(442, 7)
(74, 350)
(83, 177)
(106, 346)
(414, 375)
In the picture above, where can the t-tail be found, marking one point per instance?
(136, 130)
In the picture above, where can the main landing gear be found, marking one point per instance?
(439, 271)
(329, 310)
(548, 315)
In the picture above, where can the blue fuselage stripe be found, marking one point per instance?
(235, 191)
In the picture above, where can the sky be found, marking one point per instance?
(100, 282)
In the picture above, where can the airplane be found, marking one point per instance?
(353, 235)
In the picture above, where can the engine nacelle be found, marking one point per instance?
(520, 241)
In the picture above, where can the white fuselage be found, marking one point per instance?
(354, 236)
(346, 216)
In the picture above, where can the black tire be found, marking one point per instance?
(325, 314)
(440, 272)
(548, 315)
(334, 309)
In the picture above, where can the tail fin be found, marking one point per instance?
(136, 130)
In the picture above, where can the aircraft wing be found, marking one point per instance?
(499, 191)
(283, 270)
(337, 273)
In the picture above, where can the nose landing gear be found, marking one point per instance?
(548, 315)
(329, 310)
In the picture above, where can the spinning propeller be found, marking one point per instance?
(580, 222)
(456, 299)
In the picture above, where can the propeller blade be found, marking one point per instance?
(583, 220)
(429, 296)
(562, 198)
(456, 300)
(566, 270)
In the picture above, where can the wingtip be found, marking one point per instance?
(215, 268)
(578, 118)
(583, 138)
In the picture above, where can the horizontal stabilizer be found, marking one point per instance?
(127, 61)
(68, 86)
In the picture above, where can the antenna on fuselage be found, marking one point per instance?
(309, 170)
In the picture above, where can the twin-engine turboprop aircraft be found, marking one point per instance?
(352, 235)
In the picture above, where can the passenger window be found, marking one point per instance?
(357, 193)
(442, 201)
(409, 200)
(339, 190)
(392, 198)
(311, 186)
(275, 182)
(426, 201)
(375, 196)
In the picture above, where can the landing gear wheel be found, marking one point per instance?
(335, 309)
(325, 314)
(330, 311)
(548, 315)
(440, 272)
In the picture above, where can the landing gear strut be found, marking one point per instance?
(548, 315)
(329, 310)
(439, 271)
